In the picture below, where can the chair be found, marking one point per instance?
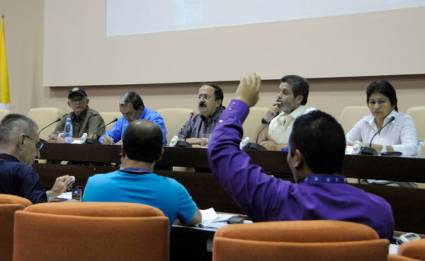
(418, 114)
(174, 119)
(43, 116)
(253, 122)
(8, 205)
(90, 231)
(350, 115)
(3, 112)
(299, 240)
(109, 117)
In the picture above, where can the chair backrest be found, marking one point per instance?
(8, 205)
(253, 121)
(44, 116)
(91, 231)
(174, 119)
(3, 112)
(350, 115)
(110, 116)
(418, 114)
(413, 249)
(299, 240)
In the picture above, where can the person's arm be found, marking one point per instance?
(96, 126)
(260, 196)
(30, 186)
(263, 129)
(185, 131)
(261, 133)
(197, 218)
(408, 137)
(188, 213)
(114, 134)
(60, 186)
(54, 136)
(273, 146)
(158, 120)
(355, 134)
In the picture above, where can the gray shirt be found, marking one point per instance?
(88, 121)
(199, 126)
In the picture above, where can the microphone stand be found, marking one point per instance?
(369, 150)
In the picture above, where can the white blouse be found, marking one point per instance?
(400, 133)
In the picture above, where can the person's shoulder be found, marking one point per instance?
(170, 182)
(104, 176)
(404, 116)
(93, 112)
(150, 113)
(309, 109)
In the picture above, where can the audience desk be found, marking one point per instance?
(84, 160)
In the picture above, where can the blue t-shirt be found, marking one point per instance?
(146, 188)
(117, 131)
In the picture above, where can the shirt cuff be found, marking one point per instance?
(238, 107)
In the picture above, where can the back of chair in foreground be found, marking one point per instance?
(299, 240)
(8, 205)
(91, 231)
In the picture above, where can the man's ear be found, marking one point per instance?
(88, 100)
(299, 99)
(21, 140)
(162, 154)
(69, 103)
(297, 159)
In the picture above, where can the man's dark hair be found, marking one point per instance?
(385, 88)
(299, 86)
(13, 124)
(321, 141)
(142, 141)
(134, 99)
(218, 92)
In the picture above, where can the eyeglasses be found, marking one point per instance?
(204, 96)
(38, 145)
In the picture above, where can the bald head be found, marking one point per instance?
(142, 141)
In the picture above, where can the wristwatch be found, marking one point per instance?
(264, 121)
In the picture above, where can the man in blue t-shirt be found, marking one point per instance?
(135, 181)
(132, 108)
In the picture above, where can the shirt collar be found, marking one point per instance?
(371, 120)
(324, 178)
(142, 115)
(81, 116)
(9, 157)
(295, 113)
(215, 115)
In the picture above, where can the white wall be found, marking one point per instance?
(77, 51)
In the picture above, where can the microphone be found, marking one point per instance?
(369, 150)
(48, 125)
(109, 123)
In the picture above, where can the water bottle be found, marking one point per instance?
(68, 130)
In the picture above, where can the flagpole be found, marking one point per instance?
(4, 73)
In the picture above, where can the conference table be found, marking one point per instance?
(84, 160)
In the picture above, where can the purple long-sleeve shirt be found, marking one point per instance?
(266, 198)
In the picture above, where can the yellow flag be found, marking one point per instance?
(4, 75)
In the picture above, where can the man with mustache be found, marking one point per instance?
(84, 119)
(197, 129)
(276, 125)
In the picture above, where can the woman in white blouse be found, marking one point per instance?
(390, 130)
